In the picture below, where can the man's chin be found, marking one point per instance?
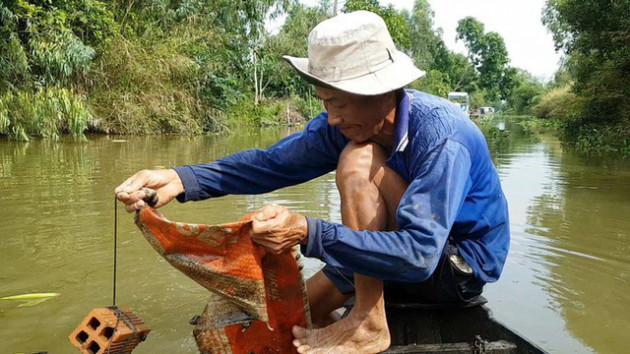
(356, 139)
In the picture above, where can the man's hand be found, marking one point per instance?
(278, 229)
(166, 183)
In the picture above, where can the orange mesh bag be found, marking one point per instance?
(256, 296)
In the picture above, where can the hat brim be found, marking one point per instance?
(390, 78)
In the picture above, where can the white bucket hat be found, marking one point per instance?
(355, 53)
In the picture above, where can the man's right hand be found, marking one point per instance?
(166, 183)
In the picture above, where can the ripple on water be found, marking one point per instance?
(565, 284)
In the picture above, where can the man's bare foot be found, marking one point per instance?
(357, 333)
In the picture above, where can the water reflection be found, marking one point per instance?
(583, 215)
(565, 284)
(569, 250)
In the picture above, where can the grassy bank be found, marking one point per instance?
(580, 123)
(127, 67)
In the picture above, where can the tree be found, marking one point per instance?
(526, 94)
(46, 52)
(594, 35)
(424, 40)
(397, 23)
(292, 40)
(460, 74)
(489, 57)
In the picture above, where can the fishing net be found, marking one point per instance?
(256, 296)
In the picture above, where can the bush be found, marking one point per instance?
(434, 82)
(47, 113)
(591, 138)
(269, 112)
(578, 126)
(561, 104)
(146, 88)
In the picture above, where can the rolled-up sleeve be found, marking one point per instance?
(425, 217)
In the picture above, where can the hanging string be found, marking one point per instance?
(119, 314)
(113, 307)
(115, 247)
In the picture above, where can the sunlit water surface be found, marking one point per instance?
(566, 284)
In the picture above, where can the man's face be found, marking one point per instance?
(359, 118)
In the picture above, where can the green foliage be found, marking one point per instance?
(59, 57)
(265, 113)
(144, 88)
(396, 22)
(48, 41)
(534, 126)
(434, 82)
(488, 55)
(424, 41)
(89, 20)
(45, 57)
(291, 40)
(460, 72)
(497, 137)
(472, 32)
(47, 113)
(187, 66)
(591, 138)
(594, 35)
(560, 104)
(478, 99)
(525, 95)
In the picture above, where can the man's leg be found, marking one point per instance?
(370, 194)
(323, 299)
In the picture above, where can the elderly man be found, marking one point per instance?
(424, 218)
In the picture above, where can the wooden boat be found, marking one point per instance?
(417, 328)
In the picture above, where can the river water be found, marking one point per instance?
(566, 284)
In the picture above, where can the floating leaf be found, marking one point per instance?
(31, 299)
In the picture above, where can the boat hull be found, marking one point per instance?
(429, 329)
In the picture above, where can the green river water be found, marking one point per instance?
(566, 284)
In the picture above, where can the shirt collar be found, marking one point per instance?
(402, 123)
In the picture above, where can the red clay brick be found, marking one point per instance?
(98, 332)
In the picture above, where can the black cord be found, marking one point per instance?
(114, 308)
(115, 247)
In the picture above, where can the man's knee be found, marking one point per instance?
(358, 165)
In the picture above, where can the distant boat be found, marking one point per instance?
(486, 110)
(462, 100)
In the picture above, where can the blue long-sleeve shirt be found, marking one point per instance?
(454, 190)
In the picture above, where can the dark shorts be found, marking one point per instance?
(447, 284)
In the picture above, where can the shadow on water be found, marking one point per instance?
(565, 284)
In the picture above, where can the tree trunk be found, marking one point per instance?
(255, 80)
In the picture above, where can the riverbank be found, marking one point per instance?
(610, 139)
(53, 113)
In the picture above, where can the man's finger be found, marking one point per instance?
(134, 206)
(126, 183)
(131, 197)
(122, 196)
(258, 228)
(260, 242)
(135, 182)
(269, 246)
(268, 212)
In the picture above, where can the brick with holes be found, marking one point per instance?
(109, 330)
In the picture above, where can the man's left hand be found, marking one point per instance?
(278, 229)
